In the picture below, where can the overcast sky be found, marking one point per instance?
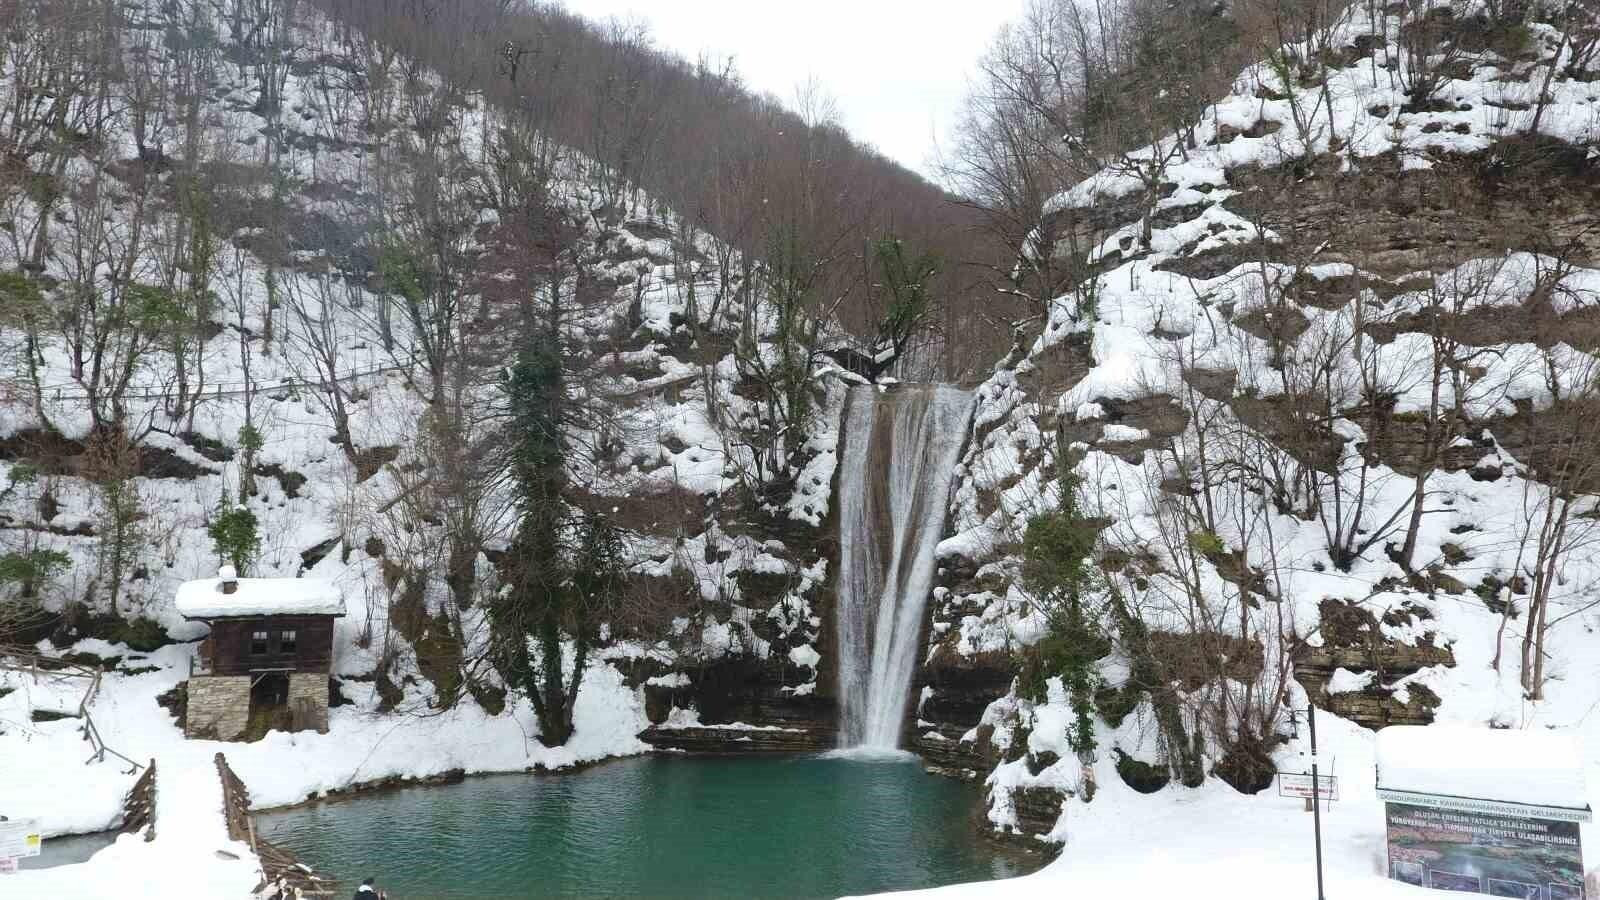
(898, 68)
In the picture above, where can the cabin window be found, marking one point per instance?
(258, 643)
(286, 640)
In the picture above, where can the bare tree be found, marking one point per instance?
(319, 312)
(1448, 367)
(1557, 518)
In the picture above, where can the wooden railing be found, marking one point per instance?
(92, 734)
(235, 803)
(278, 866)
(19, 660)
(139, 807)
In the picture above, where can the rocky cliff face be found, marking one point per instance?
(1422, 272)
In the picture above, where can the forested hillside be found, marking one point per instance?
(756, 171)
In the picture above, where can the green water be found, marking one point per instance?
(655, 827)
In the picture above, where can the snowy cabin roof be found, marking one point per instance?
(1536, 768)
(204, 599)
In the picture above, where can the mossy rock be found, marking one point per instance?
(1405, 614)
(762, 589)
(490, 697)
(1344, 623)
(1141, 776)
(389, 693)
(994, 581)
(336, 695)
(1018, 748)
(1423, 698)
(437, 646)
(1447, 584)
(92, 660)
(1488, 590)
(140, 633)
(176, 702)
(143, 634)
(439, 655)
(1041, 760)
(1247, 767)
(1115, 704)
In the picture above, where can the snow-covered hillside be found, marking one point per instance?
(295, 382)
(324, 511)
(1349, 296)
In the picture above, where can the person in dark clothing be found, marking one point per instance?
(368, 892)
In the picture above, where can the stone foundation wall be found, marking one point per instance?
(219, 706)
(308, 701)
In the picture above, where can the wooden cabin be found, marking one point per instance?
(266, 662)
(251, 644)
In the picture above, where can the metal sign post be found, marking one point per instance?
(1316, 799)
(1315, 787)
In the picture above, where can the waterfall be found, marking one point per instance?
(900, 450)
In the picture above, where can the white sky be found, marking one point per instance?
(898, 68)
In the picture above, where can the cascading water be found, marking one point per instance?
(900, 450)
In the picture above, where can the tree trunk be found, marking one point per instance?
(555, 725)
(1409, 548)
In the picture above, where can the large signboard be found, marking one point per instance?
(1485, 853)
